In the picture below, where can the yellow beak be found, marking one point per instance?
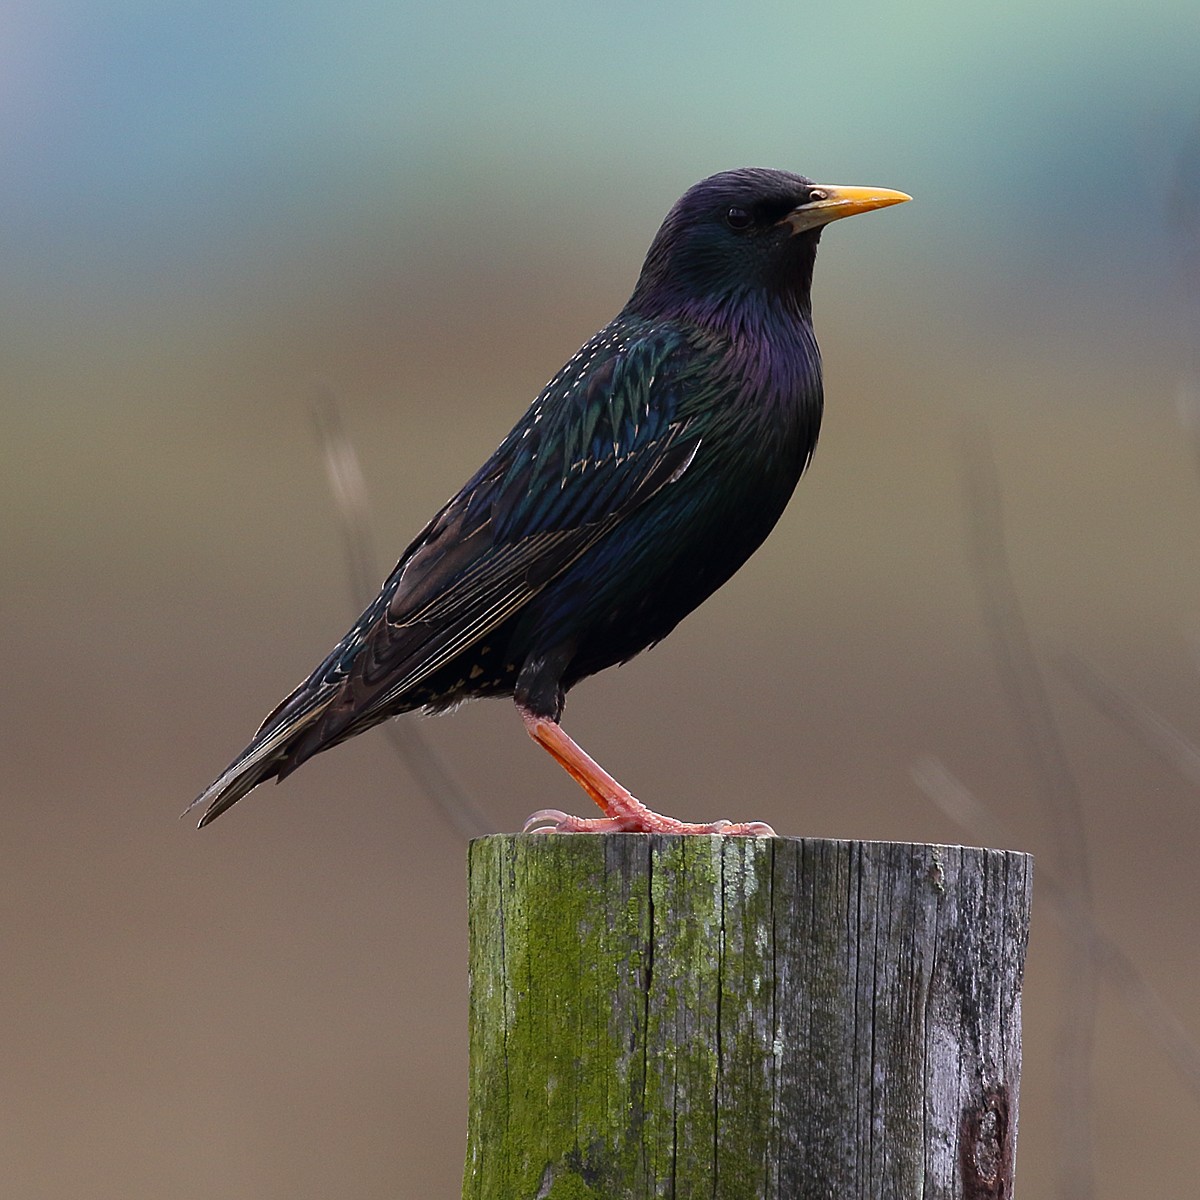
(829, 203)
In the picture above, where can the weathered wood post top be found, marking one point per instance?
(743, 1018)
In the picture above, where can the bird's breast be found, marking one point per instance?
(778, 397)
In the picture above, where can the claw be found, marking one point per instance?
(551, 820)
(545, 820)
(752, 829)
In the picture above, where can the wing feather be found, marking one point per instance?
(608, 432)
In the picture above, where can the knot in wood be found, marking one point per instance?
(985, 1148)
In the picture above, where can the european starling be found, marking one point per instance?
(648, 470)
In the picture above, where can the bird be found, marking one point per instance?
(641, 478)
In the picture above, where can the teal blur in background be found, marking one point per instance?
(209, 213)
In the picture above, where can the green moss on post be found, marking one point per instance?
(679, 1017)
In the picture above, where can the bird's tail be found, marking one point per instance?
(272, 754)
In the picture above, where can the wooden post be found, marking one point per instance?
(743, 1018)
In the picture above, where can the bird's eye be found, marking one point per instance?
(738, 218)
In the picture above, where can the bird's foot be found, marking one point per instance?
(551, 820)
(623, 811)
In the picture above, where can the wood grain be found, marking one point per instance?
(774, 1017)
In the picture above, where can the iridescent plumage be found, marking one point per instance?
(645, 473)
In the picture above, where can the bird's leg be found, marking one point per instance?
(623, 811)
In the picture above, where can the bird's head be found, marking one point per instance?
(744, 235)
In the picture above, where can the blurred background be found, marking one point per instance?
(211, 213)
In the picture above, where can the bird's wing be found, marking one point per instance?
(604, 436)
(608, 432)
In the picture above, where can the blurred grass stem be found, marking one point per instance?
(1016, 664)
(353, 507)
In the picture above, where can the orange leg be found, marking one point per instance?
(623, 811)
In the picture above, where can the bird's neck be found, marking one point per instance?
(767, 342)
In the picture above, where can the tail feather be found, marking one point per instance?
(230, 788)
(268, 756)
